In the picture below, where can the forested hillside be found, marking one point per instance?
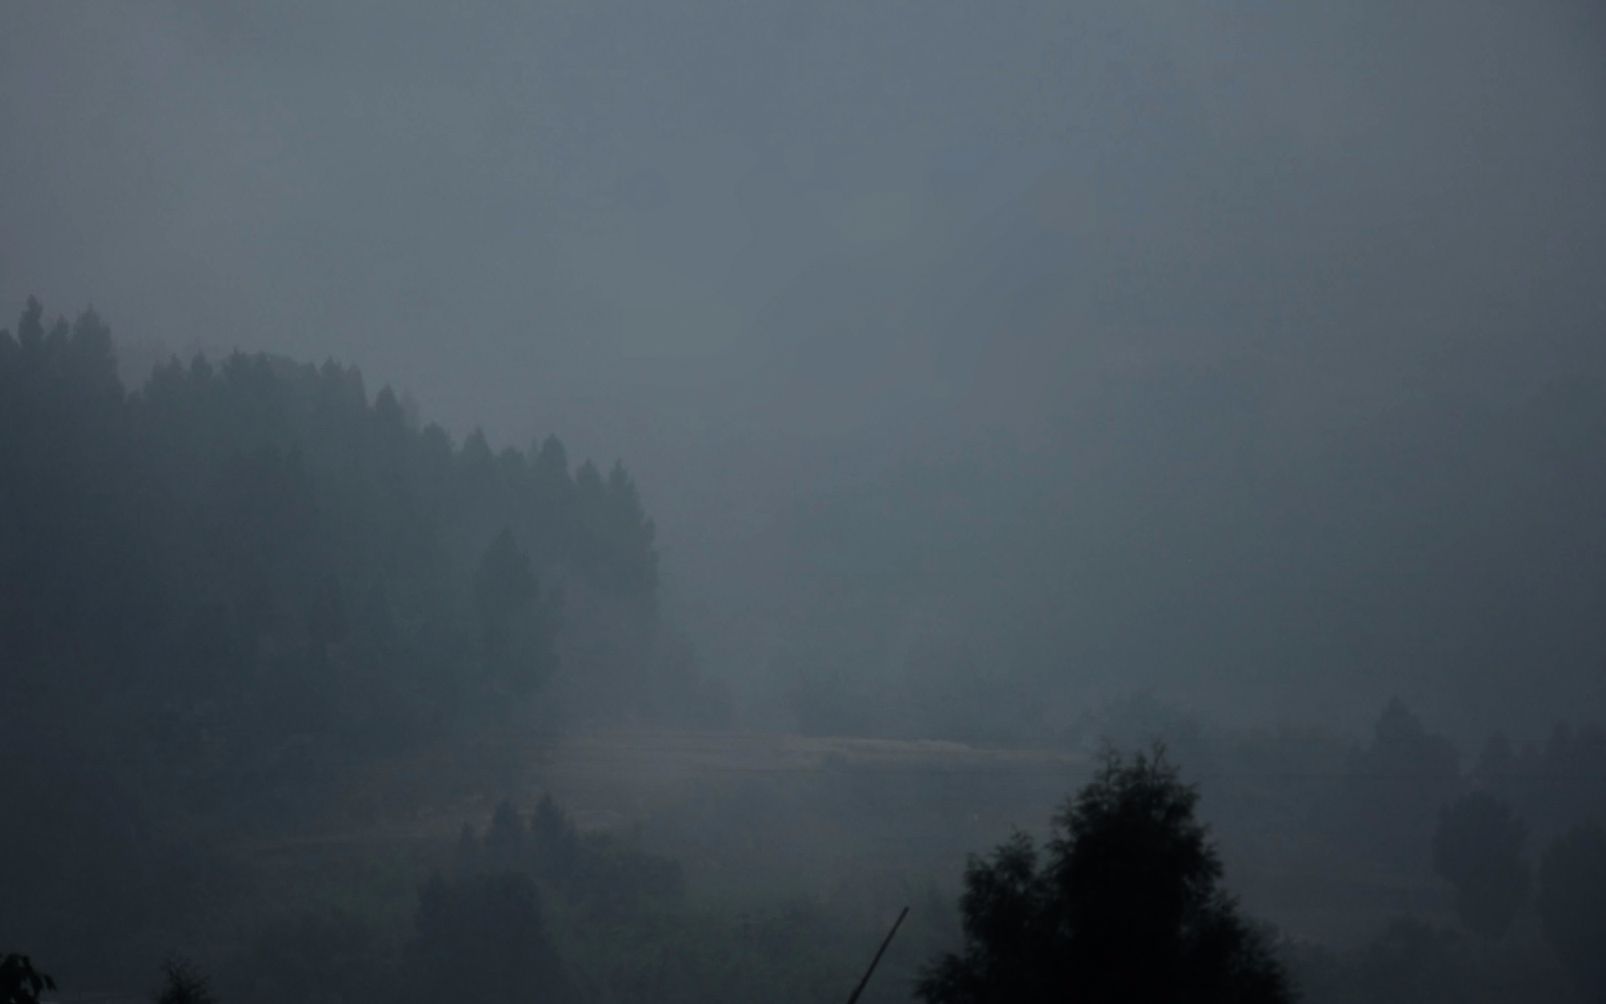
(253, 553)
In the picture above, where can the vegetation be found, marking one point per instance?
(183, 983)
(483, 938)
(238, 598)
(1126, 906)
(1478, 850)
(1572, 906)
(223, 591)
(246, 553)
(20, 982)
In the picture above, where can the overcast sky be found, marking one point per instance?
(1233, 290)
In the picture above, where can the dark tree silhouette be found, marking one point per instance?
(482, 938)
(20, 982)
(504, 583)
(1124, 904)
(183, 983)
(1477, 848)
(505, 838)
(515, 629)
(1396, 785)
(1572, 906)
(555, 839)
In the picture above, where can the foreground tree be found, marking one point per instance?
(1478, 850)
(1123, 905)
(20, 982)
(1572, 906)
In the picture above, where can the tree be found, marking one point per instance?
(1497, 763)
(1572, 906)
(20, 982)
(515, 626)
(1397, 783)
(556, 841)
(504, 842)
(1123, 904)
(482, 938)
(504, 584)
(182, 983)
(1477, 848)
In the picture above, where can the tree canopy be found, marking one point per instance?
(1122, 904)
(255, 548)
(20, 982)
(225, 584)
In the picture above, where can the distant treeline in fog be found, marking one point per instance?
(253, 548)
(256, 623)
(220, 585)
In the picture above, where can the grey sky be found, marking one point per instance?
(1166, 319)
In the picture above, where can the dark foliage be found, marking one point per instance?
(223, 588)
(244, 552)
(482, 938)
(597, 873)
(515, 631)
(1478, 850)
(20, 982)
(1124, 904)
(1572, 906)
(183, 983)
(1554, 783)
(1396, 785)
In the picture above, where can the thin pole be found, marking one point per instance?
(877, 960)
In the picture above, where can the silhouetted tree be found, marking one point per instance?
(1572, 906)
(182, 983)
(482, 938)
(476, 456)
(20, 982)
(504, 842)
(1477, 848)
(1124, 905)
(555, 839)
(1397, 784)
(1497, 763)
(514, 624)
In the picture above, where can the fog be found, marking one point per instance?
(1016, 376)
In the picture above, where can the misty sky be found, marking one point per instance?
(1245, 343)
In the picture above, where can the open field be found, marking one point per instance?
(858, 823)
(624, 778)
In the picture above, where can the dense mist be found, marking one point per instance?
(673, 485)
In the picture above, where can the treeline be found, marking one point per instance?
(243, 551)
(222, 587)
(528, 907)
(1481, 878)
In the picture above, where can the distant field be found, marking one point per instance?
(612, 778)
(860, 823)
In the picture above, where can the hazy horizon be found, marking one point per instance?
(1209, 352)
